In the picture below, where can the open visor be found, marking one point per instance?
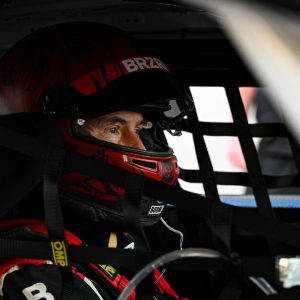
(149, 90)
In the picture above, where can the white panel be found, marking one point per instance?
(212, 106)
(184, 149)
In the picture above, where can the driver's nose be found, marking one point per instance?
(133, 140)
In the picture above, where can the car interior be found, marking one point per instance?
(249, 215)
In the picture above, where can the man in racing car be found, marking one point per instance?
(111, 99)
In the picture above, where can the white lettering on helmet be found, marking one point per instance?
(143, 63)
(160, 64)
(130, 65)
(37, 291)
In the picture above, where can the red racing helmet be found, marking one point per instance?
(80, 71)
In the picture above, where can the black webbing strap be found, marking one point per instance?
(203, 158)
(52, 208)
(83, 254)
(54, 220)
(218, 222)
(229, 129)
(53, 213)
(249, 151)
(259, 267)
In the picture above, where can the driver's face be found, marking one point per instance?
(121, 127)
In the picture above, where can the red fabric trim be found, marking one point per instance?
(163, 285)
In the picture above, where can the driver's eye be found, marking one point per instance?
(113, 130)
